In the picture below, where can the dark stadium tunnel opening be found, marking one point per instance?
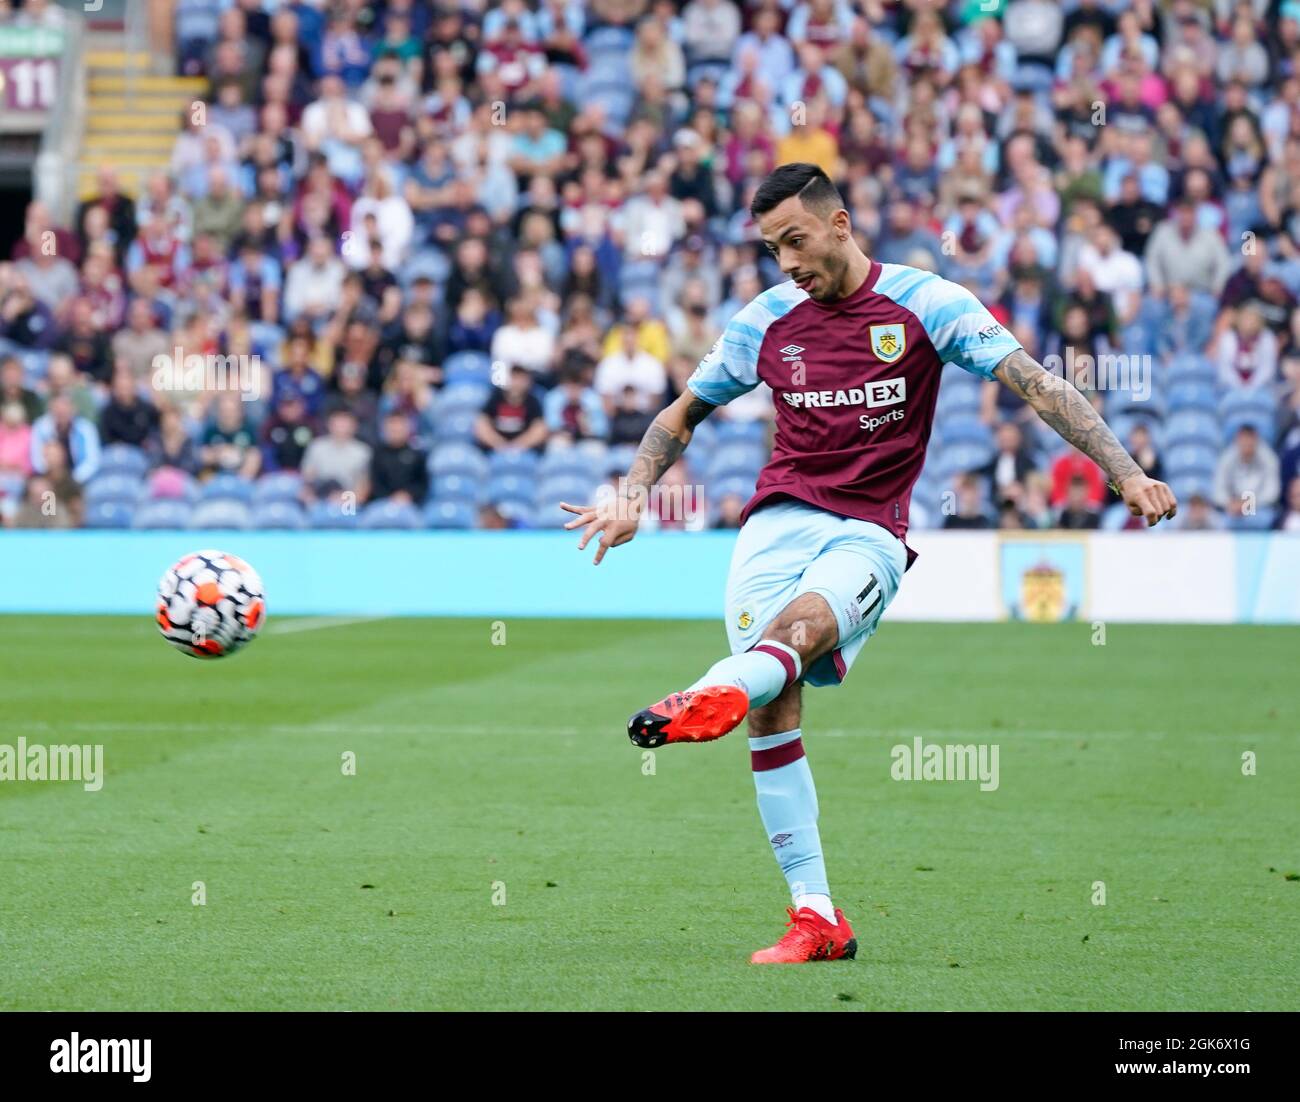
(15, 194)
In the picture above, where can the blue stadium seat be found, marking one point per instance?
(1260, 521)
(123, 459)
(390, 514)
(458, 458)
(1133, 398)
(616, 99)
(1191, 482)
(639, 279)
(1243, 210)
(549, 515)
(962, 457)
(459, 487)
(161, 514)
(1191, 458)
(114, 487)
(619, 39)
(1138, 339)
(512, 462)
(1262, 422)
(1190, 368)
(331, 515)
(450, 514)
(519, 511)
(474, 367)
(1190, 395)
(575, 489)
(455, 425)
(619, 458)
(920, 514)
(742, 487)
(286, 515)
(281, 486)
(594, 451)
(741, 432)
(1123, 424)
(1028, 75)
(706, 432)
(965, 430)
(221, 513)
(957, 401)
(1197, 426)
(462, 395)
(429, 262)
(607, 68)
(566, 461)
(507, 487)
(1248, 407)
(698, 456)
(737, 459)
(226, 487)
(109, 514)
(12, 486)
(36, 365)
(706, 70)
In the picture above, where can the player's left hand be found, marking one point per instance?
(1145, 497)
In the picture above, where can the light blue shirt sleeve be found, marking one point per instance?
(958, 324)
(731, 367)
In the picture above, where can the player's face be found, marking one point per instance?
(810, 249)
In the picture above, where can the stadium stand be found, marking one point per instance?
(411, 264)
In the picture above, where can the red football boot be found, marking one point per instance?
(696, 715)
(811, 937)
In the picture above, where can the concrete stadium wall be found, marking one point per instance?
(1137, 576)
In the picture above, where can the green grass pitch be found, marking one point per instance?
(501, 845)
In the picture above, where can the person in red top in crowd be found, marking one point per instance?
(1074, 464)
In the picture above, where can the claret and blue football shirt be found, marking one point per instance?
(855, 383)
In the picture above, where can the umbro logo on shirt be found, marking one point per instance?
(791, 352)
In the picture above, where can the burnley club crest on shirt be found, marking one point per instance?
(888, 342)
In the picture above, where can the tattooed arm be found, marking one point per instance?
(661, 447)
(1072, 417)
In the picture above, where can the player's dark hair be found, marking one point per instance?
(800, 178)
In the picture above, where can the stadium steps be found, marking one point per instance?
(111, 60)
(132, 115)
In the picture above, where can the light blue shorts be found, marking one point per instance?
(787, 549)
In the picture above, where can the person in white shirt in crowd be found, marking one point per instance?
(629, 366)
(394, 224)
(1114, 271)
(652, 221)
(1181, 251)
(710, 28)
(315, 283)
(1248, 477)
(338, 460)
(524, 340)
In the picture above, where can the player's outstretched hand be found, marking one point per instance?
(1145, 497)
(615, 518)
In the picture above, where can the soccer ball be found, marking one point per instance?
(210, 604)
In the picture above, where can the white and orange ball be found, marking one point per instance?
(210, 604)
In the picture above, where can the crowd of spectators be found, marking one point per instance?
(426, 228)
